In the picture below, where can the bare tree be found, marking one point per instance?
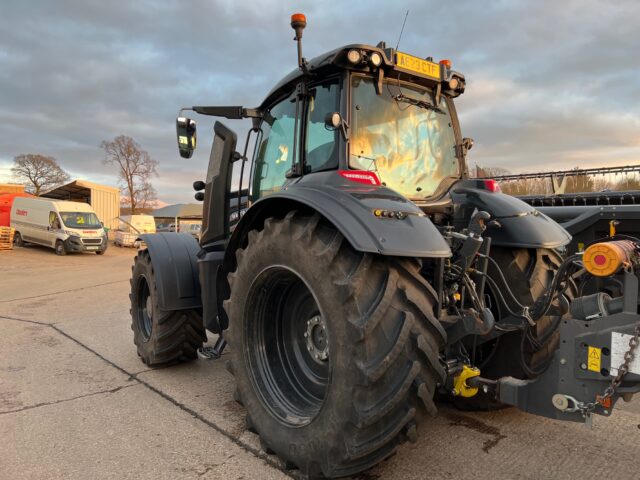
(580, 183)
(39, 172)
(135, 169)
(490, 172)
(147, 195)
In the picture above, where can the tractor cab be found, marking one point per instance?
(357, 114)
(373, 115)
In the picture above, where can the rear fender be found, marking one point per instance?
(351, 211)
(518, 225)
(174, 261)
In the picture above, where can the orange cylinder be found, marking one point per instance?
(606, 258)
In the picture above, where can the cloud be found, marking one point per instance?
(548, 84)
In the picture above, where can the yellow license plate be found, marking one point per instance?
(411, 64)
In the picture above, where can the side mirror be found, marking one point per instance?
(334, 121)
(467, 143)
(186, 130)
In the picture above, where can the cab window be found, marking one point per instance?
(54, 221)
(274, 153)
(321, 147)
(411, 147)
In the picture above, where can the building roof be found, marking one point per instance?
(11, 188)
(77, 190)
(181, 210)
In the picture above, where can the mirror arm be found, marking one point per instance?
(344, 126)
(232, 113)
(251, 113)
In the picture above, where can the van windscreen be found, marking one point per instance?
(80, 220)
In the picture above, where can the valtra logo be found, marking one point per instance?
(21, 212)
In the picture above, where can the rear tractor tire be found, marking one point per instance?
(161, 337)
(335, 352)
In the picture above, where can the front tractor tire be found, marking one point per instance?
(335, 352)
(161, 337)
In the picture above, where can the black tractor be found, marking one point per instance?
(362, 275)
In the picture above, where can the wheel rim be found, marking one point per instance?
(59, 247)
(286, 344)
(144, 309)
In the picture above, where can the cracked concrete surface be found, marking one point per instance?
(76, 402)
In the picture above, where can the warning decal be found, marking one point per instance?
(595, 359)
(619, 346)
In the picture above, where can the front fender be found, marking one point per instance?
(173, 257)
(351, 211)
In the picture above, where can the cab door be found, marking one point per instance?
(274, 153)
(55, 226)
(307, 145)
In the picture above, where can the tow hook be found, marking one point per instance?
(460, 386)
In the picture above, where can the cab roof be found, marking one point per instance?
(335, 61)
(324, 64)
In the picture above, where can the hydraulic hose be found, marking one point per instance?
(504, 281)
(496, 288)
(540, 308)
(553, 289)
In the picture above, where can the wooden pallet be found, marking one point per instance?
(6, 238)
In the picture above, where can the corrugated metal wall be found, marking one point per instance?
(106, 203)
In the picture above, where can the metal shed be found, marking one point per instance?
(179, 210)
(104, 199)
(179, 213)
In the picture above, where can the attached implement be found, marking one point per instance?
(359, 273)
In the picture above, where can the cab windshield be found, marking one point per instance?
(402, 136)
(80, 220)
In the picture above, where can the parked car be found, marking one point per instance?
(192, 228)
(171, 227)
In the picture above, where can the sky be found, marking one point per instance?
(550, 85)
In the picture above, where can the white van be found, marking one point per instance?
(137, 224)
(64, 226)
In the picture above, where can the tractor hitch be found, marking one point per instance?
(595, 365)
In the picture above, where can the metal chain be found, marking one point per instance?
(624, 368)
